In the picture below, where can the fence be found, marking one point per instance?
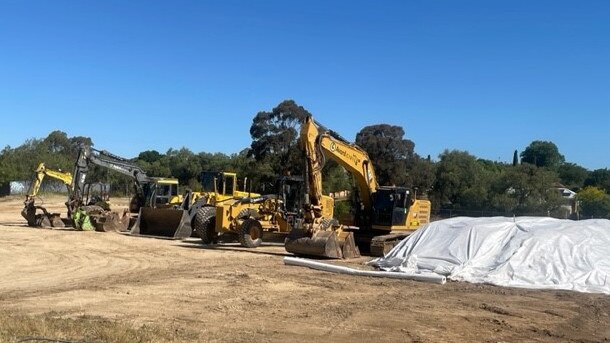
(22, 187)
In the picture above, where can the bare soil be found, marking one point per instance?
(184, 291)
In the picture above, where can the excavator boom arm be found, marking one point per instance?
(320, 143)
(41, 172)
(88, 156)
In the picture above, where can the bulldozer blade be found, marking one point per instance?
(162, 222)
(324, 243)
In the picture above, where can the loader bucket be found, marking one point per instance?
(323, 243)
(162, 222)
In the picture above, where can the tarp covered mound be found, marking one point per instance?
(529, 252)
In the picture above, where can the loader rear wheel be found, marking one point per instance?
(251, 233)
(205, 224)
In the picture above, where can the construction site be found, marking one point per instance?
(228, 264)
(284, 171)
(108, 287)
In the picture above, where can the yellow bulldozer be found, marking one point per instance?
(382, 215)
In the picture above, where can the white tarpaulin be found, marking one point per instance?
(529, 252)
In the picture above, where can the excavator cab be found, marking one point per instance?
(290, 194)
(390, 207)
(97, 193)
(164, 195)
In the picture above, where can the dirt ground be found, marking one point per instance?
(227, 293)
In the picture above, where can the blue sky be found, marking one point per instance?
(488, 77)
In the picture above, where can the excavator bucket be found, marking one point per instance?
(112, 222)
(323, 243)
(44, 219)
(55, 220)
(162, 222)
(29, 213)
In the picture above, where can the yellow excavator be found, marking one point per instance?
(44, 219)
(382, 216)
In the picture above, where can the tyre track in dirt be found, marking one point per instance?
(55, 263)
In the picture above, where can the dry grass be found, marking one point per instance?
(52, 327)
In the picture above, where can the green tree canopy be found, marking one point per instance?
(274, 138)
(150, 156)
(572, 175)
(458, 181)
(542, 154)
(515, 158)
(594, 203)
(461, 181)
(389, 151)
(525, 190)
(57, 151)
(599, 178)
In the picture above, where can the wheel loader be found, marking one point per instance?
(217, 187)
(382, 215)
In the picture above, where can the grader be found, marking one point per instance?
(246, 219)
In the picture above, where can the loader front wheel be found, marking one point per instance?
(251, 233)
(205, 224)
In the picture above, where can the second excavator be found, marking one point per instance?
(150, 193)
(30, 209)
(382, 215)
